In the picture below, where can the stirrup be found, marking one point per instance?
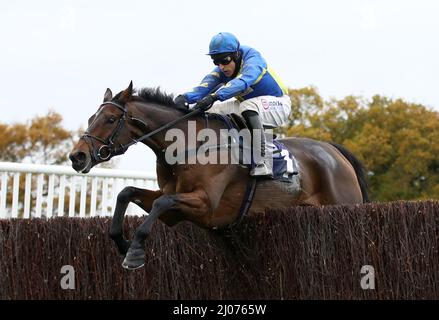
(261, 169)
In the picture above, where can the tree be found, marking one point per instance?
(393, 138)
(42, 140)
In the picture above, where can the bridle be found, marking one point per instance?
(107, 150)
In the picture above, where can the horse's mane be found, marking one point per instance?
(154, 95)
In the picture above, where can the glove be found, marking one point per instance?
(205, 103)
(181, 102)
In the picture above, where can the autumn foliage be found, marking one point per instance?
(40, 140)
(394, 139)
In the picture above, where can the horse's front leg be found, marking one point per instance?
(193, 203)
(143, 198)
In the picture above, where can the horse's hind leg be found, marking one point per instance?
(143, 198)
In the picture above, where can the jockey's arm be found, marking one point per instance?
(252, 70)
(208, 83)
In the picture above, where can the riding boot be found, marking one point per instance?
(263, 164)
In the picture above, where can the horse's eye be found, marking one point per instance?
(111, 120)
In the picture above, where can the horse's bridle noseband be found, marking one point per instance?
(109, 143)
(106, 150)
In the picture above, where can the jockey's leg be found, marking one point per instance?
(265, 112)
(225, 107)
(273, 111)
(263, 163)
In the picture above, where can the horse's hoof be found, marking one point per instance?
(134, 259)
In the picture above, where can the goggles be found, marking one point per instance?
(223, 60)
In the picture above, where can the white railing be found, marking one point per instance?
(33, 190)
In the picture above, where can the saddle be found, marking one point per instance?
(285, 165)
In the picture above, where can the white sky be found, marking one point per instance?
(64, 54)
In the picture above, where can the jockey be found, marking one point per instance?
(251, 89)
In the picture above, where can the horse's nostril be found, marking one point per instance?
(77, 157)
(81, 156)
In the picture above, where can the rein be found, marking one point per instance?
(106, 150)
(164, 127)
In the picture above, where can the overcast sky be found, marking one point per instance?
(64, 54)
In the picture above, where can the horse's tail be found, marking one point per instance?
(359, 170)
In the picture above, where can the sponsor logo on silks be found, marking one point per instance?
(275, 104)
(265, 104)
(268, 104)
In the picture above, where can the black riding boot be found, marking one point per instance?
(263, 164)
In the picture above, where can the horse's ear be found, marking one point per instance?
(127, 93)
(108, 95)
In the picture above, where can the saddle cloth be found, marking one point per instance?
(284, 163)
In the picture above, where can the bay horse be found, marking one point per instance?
(209, 195)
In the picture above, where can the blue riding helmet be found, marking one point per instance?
(223, 42)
